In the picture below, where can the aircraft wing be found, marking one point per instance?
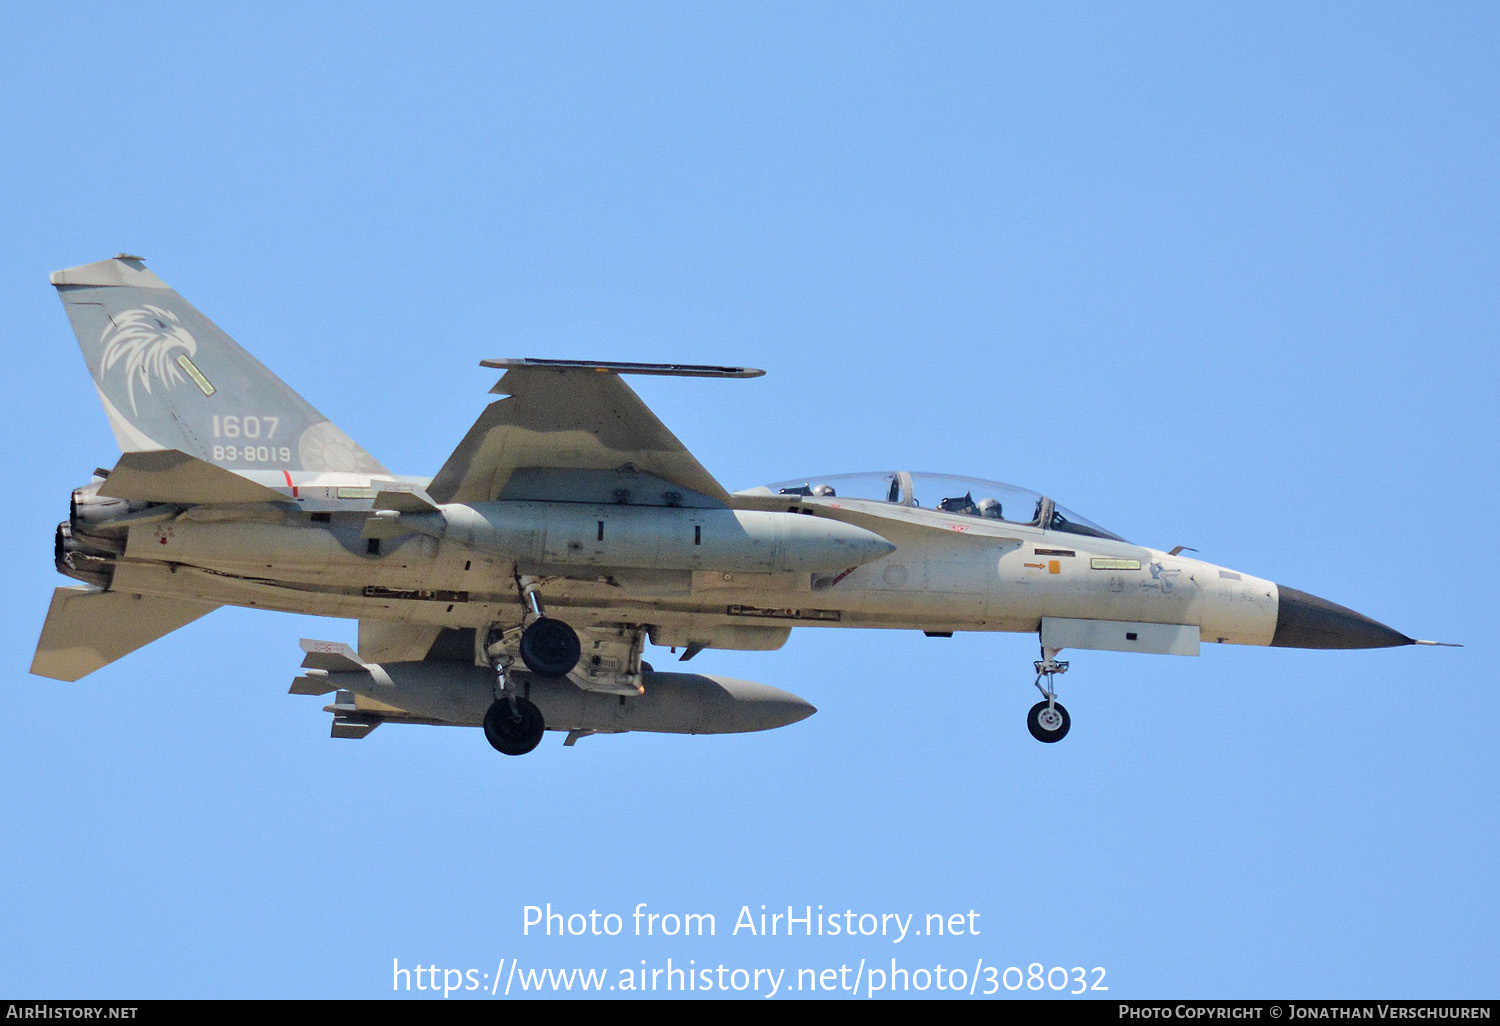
(571, 416)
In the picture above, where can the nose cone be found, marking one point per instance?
(1306, 621)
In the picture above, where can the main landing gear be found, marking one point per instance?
(513, 724)
(1048, 721)
(548, 647)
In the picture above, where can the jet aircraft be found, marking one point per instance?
(515, 589)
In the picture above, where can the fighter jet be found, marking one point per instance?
(516, 588)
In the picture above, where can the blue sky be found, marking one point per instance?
(1219, 277)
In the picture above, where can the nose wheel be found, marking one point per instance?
(1048, 721)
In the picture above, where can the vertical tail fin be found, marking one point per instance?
(169, 378)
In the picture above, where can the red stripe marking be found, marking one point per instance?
(288, 475)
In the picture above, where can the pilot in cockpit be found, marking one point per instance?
(963, 505)
(987, 508)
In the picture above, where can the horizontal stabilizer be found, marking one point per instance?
(170, 475)
(87, 628)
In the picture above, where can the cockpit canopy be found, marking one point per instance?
(964, 496)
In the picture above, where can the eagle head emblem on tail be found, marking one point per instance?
(144, 340)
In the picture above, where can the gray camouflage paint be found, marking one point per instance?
(207, 396)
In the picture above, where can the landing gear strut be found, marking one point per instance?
(1048, 721)
(548, 647)
(513, 725)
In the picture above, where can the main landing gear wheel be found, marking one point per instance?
(1048, 721)
(550, 648)
(513, 726)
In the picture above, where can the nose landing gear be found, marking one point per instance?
(1048, 721)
